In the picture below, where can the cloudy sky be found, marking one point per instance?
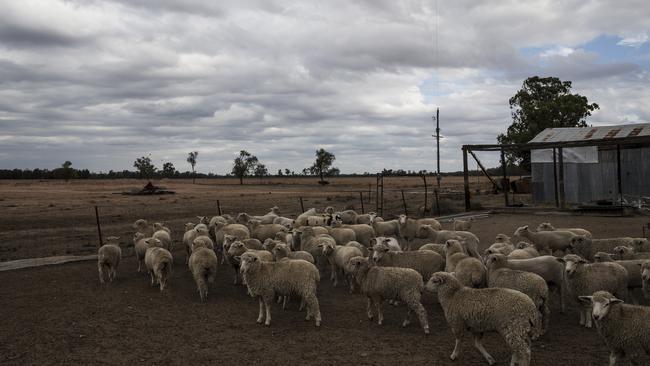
(103, 82)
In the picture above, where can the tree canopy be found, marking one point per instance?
(145, 167)
(323, 164)
(191, 158)
(543, 103)
(244, 165)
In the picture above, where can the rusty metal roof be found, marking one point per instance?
(592, 133)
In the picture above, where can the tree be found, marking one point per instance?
(287, 172)
(168, 170)
(260, 171)
(323, 165)
(543, 103)
(67, 170)
(244, 165)
(279, 172)
(145, 167)
(191, 158)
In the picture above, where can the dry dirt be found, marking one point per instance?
(60, 314)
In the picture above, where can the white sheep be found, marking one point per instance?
(266, 280)
(281, 251)
(508, 312)
(546, 241)
(319, 220)
(587, 247)
(140, 248)
(262, 232)
(365, 219)
(348, 217)
(363, 233)
(392, 243)
(164, 237)
(221, 230)
(237, 249)
(384, 228)
(624, 327)
(108, 261)
(203, 265)
(469, 271)
(502, 238)
(301, 220)
(438, 248)
(425, 262)
(625, 252)
(463, 225)
(546, 226)
(632, 266)
(188, 239)
(583, 279)
(284, 221)
(159, 263)
(379, 283)
(408, 228)
(645, 278)
(338, 257)
(524, 250)
(499, 248)
(142, 226)
(470, 241)
(161, 226)
(342, 235)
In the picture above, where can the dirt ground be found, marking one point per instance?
(61, 315)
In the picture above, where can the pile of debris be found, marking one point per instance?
(147, 190)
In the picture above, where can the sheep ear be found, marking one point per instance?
(586, 299)
(237, 258)
(561, 260)
(615, 301)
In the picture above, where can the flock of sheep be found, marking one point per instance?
(505, 289)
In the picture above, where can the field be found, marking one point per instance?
(60, 315)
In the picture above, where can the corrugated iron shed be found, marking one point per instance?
(592, 133)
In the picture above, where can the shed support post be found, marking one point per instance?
(466, 181)
(557, 198)
(504, 184)
(561, 176)
(619, 175)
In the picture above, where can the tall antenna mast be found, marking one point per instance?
(437, 136)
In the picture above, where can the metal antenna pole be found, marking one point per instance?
(437, 136)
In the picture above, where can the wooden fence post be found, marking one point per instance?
(99, 228)
(404, 202)
(302, 206)
(361, 198)
(219, 207)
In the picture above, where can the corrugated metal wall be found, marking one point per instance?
(584, 183)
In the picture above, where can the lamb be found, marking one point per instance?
(159, 262)
(546, 241)
(108, 260)
(500, 248)
(425, 262)
(546, 226)
(586, 247)
(379, 283)
(463, 225)
(203, 265)
(545, 266)
(469, 240)
(524, 251)
(356, 244)
(628, 253)
(301, 220)
(583, 279)
(281, 251)
(408, 228)
(202, 241)
(160, 226)
(631, 266)
(384, 228)
(338, 257)
(262, 232)
(164, 237)
(188, 239)
(142, 226)
(348, 217)
(266, 280)
(284, 221)
(319, 220)
(641, 244)
(342, 235)
(140, 248)
(469, 271)
(364, 233)
(624, 327)
(510, 313)
(502, 238)
(645, 278)
(240, 231)
(237, 249)
(392, 243)
(528, 283)
(365, 219)
(438, 248)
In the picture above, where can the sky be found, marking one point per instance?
(101, 83)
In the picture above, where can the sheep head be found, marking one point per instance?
(502, 238)
(453, 246)
(153, 242)
(379, 250)
(521, 231)
(545, 226)
(601, 302)
(571, 263)
(248, 262)
(645, 271)
(440, 279)
(140, 224)
(402, 219)
(236, 248)
(189, 226)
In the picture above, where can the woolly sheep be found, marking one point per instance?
(392, 243)
(262, 232)
(164, 238)
(281, 251)
(318, 220)
(547, 267)
(342, 235)
(502, 238)
(269, 217)
(470, 241)
(338, 257)
(586, 247)
(463, 225)
(641, 245)
(361, 247)
(159, 263)
(384, 228)
(645, 278)
(301, 220)
(408, 228)
(203, 265)
(188, 226)
(529, 283)
(524, 251)
(631, 266)
(583, 278)
(365, 218)
(546, 226)
(624, 327)
(284, 221)
(142, 226)
(266, 280)
(108, 260)
(348, 217)
(140, 248)
(188, 239)
(379, 283)
(469, 271)
(364, 233)
(508, 312)
(438, 248)
(499, 248)
(425, 262)
(160, 226)
(203, 241)
(220, 231)
(546, 241)
(454, 253)
(624, 252)
(237, 249)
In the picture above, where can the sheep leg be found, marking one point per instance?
(587, 312)
(334, 275)
(267, 303)
(613, 357)
(479, 346)
(101, 275)
(454, 354)
(302, 304)
(153, 281)
(260, 315)
(380, 315)
(417, 307)
(407, 319)
(369, 308)
(313, 308)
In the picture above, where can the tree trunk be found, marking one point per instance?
(321, 175)
(193, 175)
(241, 180)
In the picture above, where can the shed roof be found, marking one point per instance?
(592, 133)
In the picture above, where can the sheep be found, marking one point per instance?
(140, 248)
(189, 226)
(202, 241)
(379, 283)
(546, 226)
(469, 240)
(188, 239)
(470, 271)
(508, 312)
(265, 280)
(338, 257)
(384, 228)
(342, 235)
(348, 217)
(545, 266)
(463, 225)
(583, 279)
(262, 232)
(108, 260)
(281, 251)
(203, 220)
(641, 244)
(319, 220)
(645, 278)
(237, 249)
(502, 238)
(364, 233)
(142, 226)
(529, 283)
(203, 265)
(392, 243)
(269, 217)
(365, 218)
(361, 247)
(301, 220)
(524, 251)
(631, 266)
(221, 230)
(438, 248)
(624, 327)
(500, 248)
(160, 226)
(250, 243)
(159, 263)
(546, 241)
(164, 237)
(425, 262)
(284, 221)
(408, 227)
(628, 253)
(586, 247)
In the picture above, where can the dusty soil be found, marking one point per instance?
(60, 314)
